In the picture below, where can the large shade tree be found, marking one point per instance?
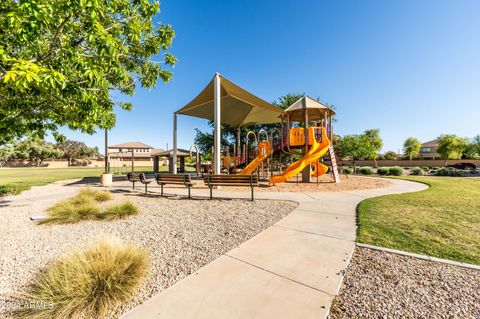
(59, 61)
(451, 146)
(73, 150)
(37, 150)
(411, 147)
(473, 149)
(356, 147)
(376, 142)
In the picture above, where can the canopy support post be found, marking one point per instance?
(306, 173)
(217, 123)
(174, 156)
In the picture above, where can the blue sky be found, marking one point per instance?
(409, 68)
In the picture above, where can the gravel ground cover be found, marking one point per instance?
(385, 285)
(181, 236)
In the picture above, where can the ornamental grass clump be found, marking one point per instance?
(88, 283)
(122, 210)
(96, 195)
(85, 206)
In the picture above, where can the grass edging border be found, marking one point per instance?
(419, 256)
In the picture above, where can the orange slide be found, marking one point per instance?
(317, 151)
(320, 169)
(263, 153)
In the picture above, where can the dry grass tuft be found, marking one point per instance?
(88, 283)
(122, 210)
(71, 211)
(97, 195)
(85, 206)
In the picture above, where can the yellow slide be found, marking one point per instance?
(264, 152)
(317, 151)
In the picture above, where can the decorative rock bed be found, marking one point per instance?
(180, 235)
(385, 285)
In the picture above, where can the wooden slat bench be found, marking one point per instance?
(212, 180)
(178, 179)
(138, 177)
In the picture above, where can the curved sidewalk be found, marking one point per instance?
(292, 269)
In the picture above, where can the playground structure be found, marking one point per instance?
(310, 147)
(304, 131)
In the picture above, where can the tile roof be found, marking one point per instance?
(432, 143)
(130, 145)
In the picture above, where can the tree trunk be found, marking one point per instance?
(354, 167)
(446, 160)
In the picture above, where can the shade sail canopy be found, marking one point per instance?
(238, 106)
(316, 111)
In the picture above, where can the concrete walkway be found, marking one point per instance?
(293, 269)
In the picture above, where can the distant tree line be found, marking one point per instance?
(450, 146)
(38, 150)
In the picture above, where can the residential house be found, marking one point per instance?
(428, 150)
(141, 151)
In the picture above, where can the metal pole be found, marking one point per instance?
(331, 127)
(238, 141)
(217, 123)
(306, 173)
(174, 159)
(133, 162)
(107, 167)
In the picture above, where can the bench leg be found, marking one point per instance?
(252, 193)
(145, 188)
(188, 187)
(161, 187)
(210, 193)
(133, 185)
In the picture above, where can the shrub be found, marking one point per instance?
(382, 171)
(347, 170)
(449, 171)
(395, 171)
(366, 170)
(89, 283)
(417, 171)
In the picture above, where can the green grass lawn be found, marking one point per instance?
(442, 221)
(15, 180)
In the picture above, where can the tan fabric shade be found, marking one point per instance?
(315, 110)
(238, 106)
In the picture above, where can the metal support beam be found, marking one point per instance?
(107, 166)
(174, 159)
(217, 123)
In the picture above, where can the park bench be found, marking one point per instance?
(212, 180)
(138, 177)
(178, 179)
